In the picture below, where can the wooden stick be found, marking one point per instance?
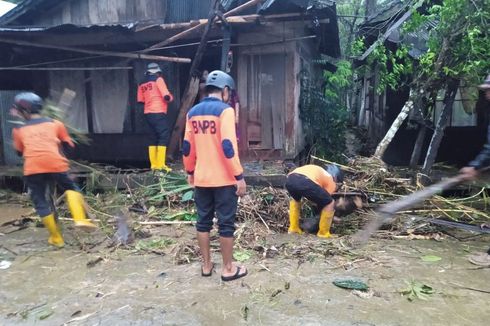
(201, 24)
(65, 68)
(167, 222)
(343, 167)
(140, 223)
(386, 212)
(97, 52)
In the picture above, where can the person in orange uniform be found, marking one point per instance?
(155, 96)
(214, 169)
(315, 184)
(39, 141)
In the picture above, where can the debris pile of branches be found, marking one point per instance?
(382, 184)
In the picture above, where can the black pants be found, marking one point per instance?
(223, 201)
(38, 188)
(300, 186)
(159, 125)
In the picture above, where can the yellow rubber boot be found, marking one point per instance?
(75, 204)
(326, 218)
(161, 159)
(294, 212)
(152, 154)
(55, 237)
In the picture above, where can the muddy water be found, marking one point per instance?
(45, 286)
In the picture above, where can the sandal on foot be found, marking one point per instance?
(210, 272)
(236, 276)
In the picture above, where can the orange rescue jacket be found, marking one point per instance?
(39, 141)
(152, 92)
(210, 146)
(318, 175)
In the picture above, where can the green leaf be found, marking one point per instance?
(351, 284)
(188, 196)
(430, 258)
(242, 256)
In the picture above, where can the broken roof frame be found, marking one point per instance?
(262, 16)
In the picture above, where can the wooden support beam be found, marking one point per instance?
(192, 87)
(65, 68)
(201, 24)
(97, 52)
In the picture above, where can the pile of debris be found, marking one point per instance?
(131, 217)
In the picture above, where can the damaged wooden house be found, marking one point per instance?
(376, 111)
(100, 48)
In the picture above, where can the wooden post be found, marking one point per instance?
(192, 87)
(442, 123)
(383, 144)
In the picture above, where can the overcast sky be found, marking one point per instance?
(5, 6)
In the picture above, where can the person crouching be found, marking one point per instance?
(315, 184)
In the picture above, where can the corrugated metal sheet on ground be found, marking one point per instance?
(9, 154)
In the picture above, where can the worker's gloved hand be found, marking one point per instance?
(468, 173)
(167, 98)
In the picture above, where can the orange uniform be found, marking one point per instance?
(318, 175)
(210, 146)
(152, 92)
(39, 141)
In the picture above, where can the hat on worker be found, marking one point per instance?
(28, 102)
(220, 79)
(153, 68)
(335, 172)
(486, 84)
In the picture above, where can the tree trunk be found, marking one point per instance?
(383, 144)
(417, 148)
(192, 87)
(442, 123)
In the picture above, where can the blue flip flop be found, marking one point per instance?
(236, 276)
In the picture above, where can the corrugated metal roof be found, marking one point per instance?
(178, 10)
(24, 7)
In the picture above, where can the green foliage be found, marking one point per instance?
(417, 290)
(430, 258)
(241, 255)
(457, 43)
(154, 244)
(323, 116)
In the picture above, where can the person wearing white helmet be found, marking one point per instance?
(40, 141)
(154, 95)
(214, 169)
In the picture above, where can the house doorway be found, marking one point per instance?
(266, 98)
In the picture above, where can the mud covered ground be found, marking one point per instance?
(86, 284)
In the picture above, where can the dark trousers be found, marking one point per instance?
(159, 125)
(300, 186)
(39, 184)
(223, 201)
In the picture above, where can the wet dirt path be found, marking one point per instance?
(45, 286)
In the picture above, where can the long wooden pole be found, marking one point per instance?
(192, 87)
(201, 24)
(65, 68)
(97, 52)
